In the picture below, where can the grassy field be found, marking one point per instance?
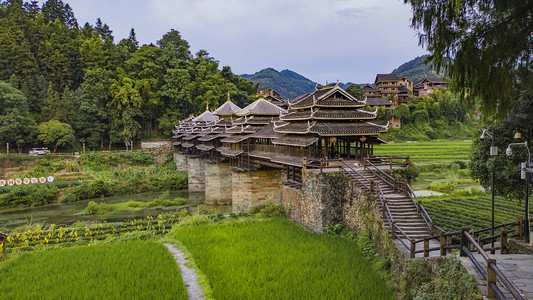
(428, 152)
(453, 213)
(277, 259)
(127, 270)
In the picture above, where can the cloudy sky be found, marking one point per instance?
(348, 40)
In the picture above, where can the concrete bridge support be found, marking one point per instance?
(218, 186)
(253, 188)
(181, 162)
(196, 174)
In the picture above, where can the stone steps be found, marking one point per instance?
(403, 211)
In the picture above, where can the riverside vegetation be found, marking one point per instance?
(94, 175)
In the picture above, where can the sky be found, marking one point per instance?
(323, 40)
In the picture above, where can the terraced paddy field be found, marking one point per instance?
(277, 259)
(428, 152)
(453, 213)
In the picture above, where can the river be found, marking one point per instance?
(68, 213)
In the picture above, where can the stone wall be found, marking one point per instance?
(181, 162)
(218, 186)
(331, 198)
(253, 188)
(196, 174)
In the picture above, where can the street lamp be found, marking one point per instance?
(526, 170)
(493, 152)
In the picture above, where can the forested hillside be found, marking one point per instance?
(65, 84)
(416, 69)
(287, 83)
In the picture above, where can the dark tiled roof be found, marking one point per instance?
(369, 88)
(386, 77)
(224, 122)
(343, 114)
(190, 137)
(176, 143)
(208, 137)
(267, 132)
(187, 145)
(436, 80)
(203, 147)
(342, 128)
(206, 116)
(294, 140)
(296, 127)
(378, 102)
(227, 151)
(227, 109)
(328, 114)
(261, 107)
(235, 139)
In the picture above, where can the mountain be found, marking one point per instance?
(287, 83)
(416, 70)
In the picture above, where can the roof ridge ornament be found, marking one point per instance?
(229, 100)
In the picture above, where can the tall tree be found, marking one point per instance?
(485, 46)
(16, 125)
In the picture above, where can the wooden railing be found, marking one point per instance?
(491, 273)
(351, 173)
(390, 160)
(403, 187)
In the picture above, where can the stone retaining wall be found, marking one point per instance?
(196, 174)
(253, 188)
(218, 186)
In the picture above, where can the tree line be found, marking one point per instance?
(63, 84)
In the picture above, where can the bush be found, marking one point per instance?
(30, 195)
(94, 208)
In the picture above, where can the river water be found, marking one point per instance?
(68, 213)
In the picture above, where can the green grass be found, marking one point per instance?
(276, 259)
(131, 270)
(453, 213)
(428, 152)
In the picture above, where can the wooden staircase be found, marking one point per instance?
(403, 211)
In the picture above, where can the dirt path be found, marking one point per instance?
(190, 279)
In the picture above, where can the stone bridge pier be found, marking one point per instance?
(222, 185)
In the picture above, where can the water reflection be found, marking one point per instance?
(68, 213)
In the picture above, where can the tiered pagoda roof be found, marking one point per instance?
(255, 120)
(327, 112)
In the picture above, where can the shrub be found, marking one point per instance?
(30, 195)
(94, 208)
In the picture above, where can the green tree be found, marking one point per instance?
(356, 91)
(484, 46)
(56, 134)
(125, 110)
(16, 125)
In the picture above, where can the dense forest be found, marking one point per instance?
(416, 69)
(62, 84)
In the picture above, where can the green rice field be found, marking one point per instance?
(453, 213)
(127, 270)
(428, 152)
(277, 259)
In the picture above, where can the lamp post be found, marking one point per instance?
(526, 171)
(493, 152)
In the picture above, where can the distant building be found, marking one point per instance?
(371, 91)
(428, 86)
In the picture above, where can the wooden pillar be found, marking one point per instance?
(491, 278)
